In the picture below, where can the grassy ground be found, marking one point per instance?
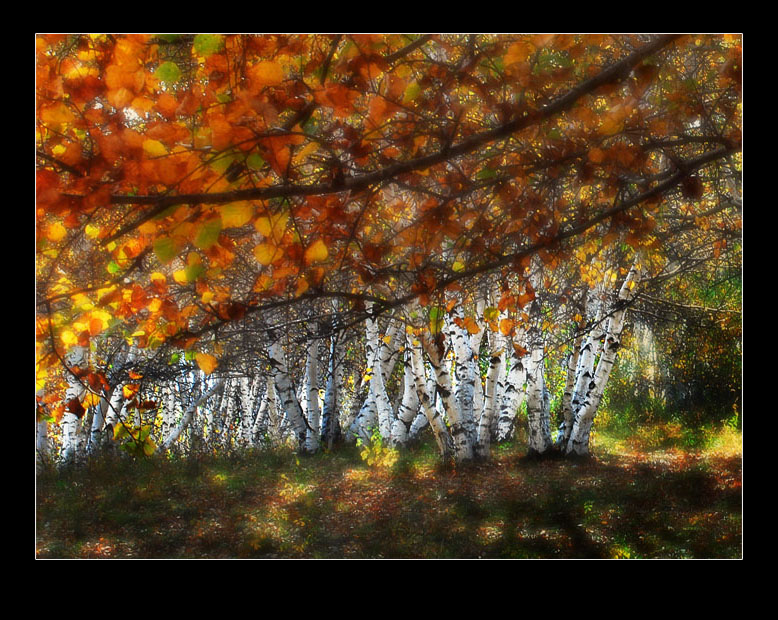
(638, 498)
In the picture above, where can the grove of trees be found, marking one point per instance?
(245, 241)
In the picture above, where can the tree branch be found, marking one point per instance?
(614, 73)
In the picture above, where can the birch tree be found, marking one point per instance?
(209, 210)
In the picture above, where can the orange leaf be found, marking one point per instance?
(265, 73)
(471, 325)
(206, 362)
(506, 326)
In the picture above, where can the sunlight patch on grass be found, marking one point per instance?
(356, 474)
(727, 443)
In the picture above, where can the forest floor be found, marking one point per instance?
(636, 498)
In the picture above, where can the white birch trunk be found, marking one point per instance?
(259, 427)
(267, 424)
(367, 417)
(290, 406)
(465, 371)
(42, 444)
(463, 446)
(491, 393)
(409, 405)
(376, 411)
(96, 437)
(566, 426)
(538, 415)
(330, 431)
(435, 420)
(311, 397)
(188, 415)
(73, 395)
(582, 425)
(475, 346)
(514, 390)
(246, 409)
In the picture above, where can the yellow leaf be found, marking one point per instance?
(154, 148)
(273, 226)
(206, 362)
(68, 338)
(266, 253)
(91, 231)
(56, 232)
(236, 214)
(91, 400)
(316, 252)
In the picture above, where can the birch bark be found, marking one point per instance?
(566, 426)
(75, 359)
(465, 370)
(189, 413)
(538, 415)
(435, 420)
(330, 427)
(311, 397)
(290, 405)
(514, 388)
(409, 405)
(582, 425)
(491, 393)
(462, 444)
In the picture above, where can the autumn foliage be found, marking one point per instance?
(185, 183)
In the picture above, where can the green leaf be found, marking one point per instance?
(436, 319)
(194, 271)
(207, 44)
(490, 313)
(255, 162)
(411, 92)
(168, 72)
(113, 268)
(208, 233)
(165, 249)
(120, 431)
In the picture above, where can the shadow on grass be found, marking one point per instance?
(334, 506)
